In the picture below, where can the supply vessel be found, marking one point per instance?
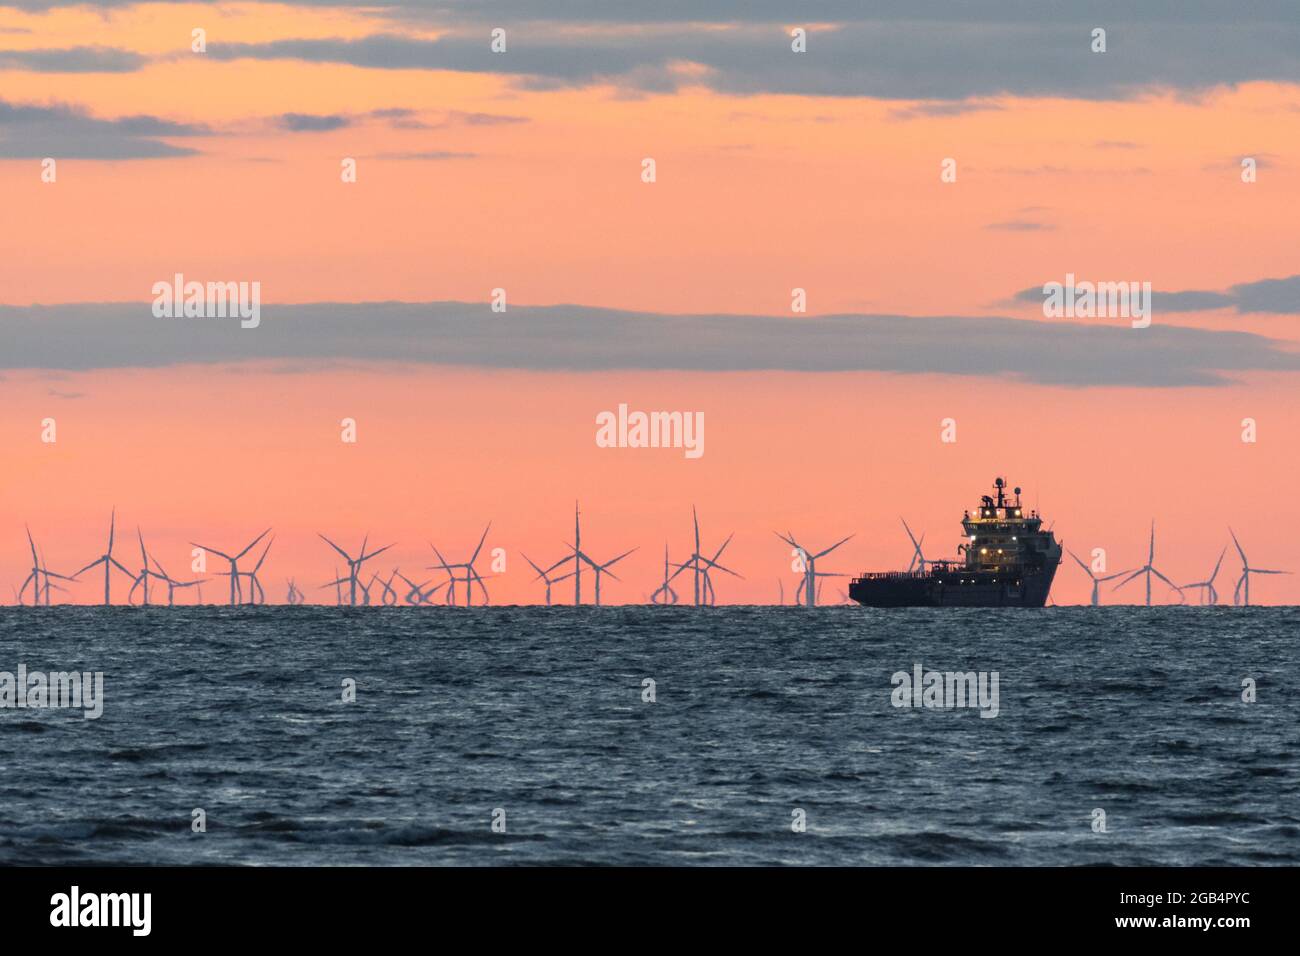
(1006, 560)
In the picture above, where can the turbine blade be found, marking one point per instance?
(367, 557)
(474, 556)
(346, 556)
(252, 544)
(1239, 548)
(831, 548)
(220, 554)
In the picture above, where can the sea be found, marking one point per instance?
(655, 736)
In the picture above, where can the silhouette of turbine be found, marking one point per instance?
(809, 587)
(1242, 590)
(1149, 569)
(172, 584)
(236, 591)
(665, 593)
(700, 567)
(39, 571)
(545, 575)
(354, 566)
(599, 569)
(146, 572)
(917, 554)
(108, 561)
(472, 576)
(1096, 581)
(420, 593)
(1207, 586)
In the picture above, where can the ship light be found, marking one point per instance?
(984, 550)
(1017, 512)
(972, 537)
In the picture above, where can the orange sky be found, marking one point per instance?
(755, 195)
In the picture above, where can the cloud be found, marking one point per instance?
(581, 339)
(1020, 225)
(1264, 296)
(304, 123)
(941, 109)
(81, 59)
(930, 52)
(428, 154)
(67, 132)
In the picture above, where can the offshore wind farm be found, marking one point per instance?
(693, 580)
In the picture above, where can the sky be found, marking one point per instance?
(828, 171)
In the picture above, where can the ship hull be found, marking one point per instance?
(953, 589)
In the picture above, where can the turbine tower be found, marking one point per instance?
(1149, 569)
(354, 567)
(108, 561)
(1207, 586)
(577, 563)
(1096, 581)
(810, 586)
(1242, 590)
(236, 592)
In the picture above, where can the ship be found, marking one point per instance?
(1007, 560)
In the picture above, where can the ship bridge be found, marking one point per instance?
(1000, 534)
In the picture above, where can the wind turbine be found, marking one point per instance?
(599, 569)
(664, 594)
(388, 591)
(256, 595)
(354, 565)
(1096, 581)
(38, 571)
(1242, 590)
(701, 566)
(545, 575)
(917, 553)
(172, 584)
(236, 592)
(472, 576)
(810, 587)
(108, 561)
(142, 579)
(420, 593)
(294, 597)
(1207, 586)
(1149, 569)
